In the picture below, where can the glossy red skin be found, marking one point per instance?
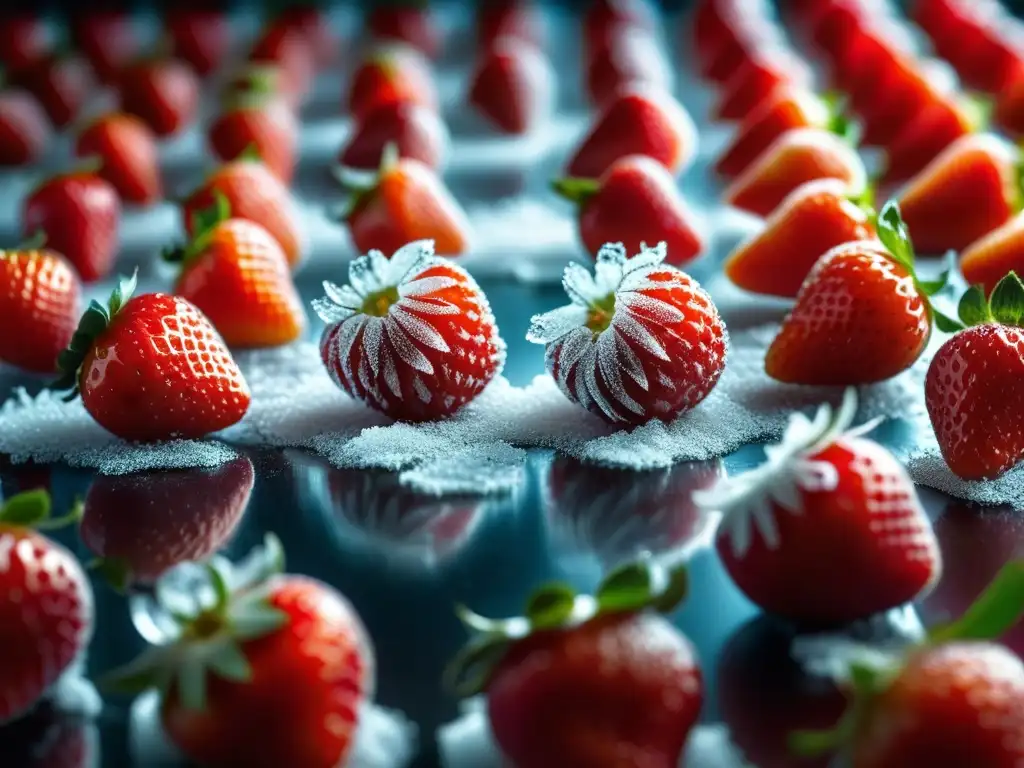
(581, 710)
(858, 570)
(630, 55)
(512, 86)
(923, 139)
(938, 18)
(414, 26)
(732, 54)
(60, 84)
(107, 40)
(415, 131)
(509, 18)
(1008, 114)
(24, 129)
(835, 21)
(716, 24)
(397, 74)
(993, 56)
(755, 82)
(128, 150)
(310, 21)
(140, 364)
(46, 609)
(314, 672)
(269, 126)
(992, 257)
(80, 214)
(150, 522)
(638, 202)
(40, 298)
(861, 62)
(23, 41)
(901, 97)
(603, 16)
(286, 47)
(163, 94)
(199, 36)
(637, 121)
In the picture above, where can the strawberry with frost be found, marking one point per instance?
(641, 340)
(412, 336)
(829, 530)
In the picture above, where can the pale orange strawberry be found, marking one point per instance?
(990, 259)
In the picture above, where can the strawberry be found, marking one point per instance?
(888, 109)
(286, 47)
(312, 23)
(513, 86)
(831, 21)
(663, 341)
(967, 191)
(414, 130)
(127, 149)
(747, 34)
(509, 18)
(412, 336)
(163, 93)
(199, 36)
(634, 201)
(39, 301)
(715, 25)
(259, 123)
(829, 530)
(971, 388)
(406, 22)
(46, 604)
(79, 214)
(990, 56)
(284, 651)
(755, 82)
(597, 681)
(794, 159)
(990, 258)
(61, 84)
(1008, 111)
(637, 121)
(629, 55)
(23, 40)
(107, 39)
(142, 525)
(603, 17)
(814, 218)
(235, 273)
(153, 354)
(406, 201)
(391, 73)
(24, 130)
(864, 58)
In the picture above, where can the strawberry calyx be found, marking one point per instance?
(203, 223)
(838, 120)
(977, 110)
(1005, 306)
(228, 609)
(362, 185)
(576, 190)
(34, 242)
(257, 78)
(557, 607)
(33, 509)
(93, 323)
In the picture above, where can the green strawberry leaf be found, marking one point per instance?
(114, 571)
(978, 109)
(938, 285)
(191, 679)
(27, 509)
(122, 293)
(551, 605)
(626, 588)
(204, 220)
(471, 669)
(945, 323)
(999, 608)
(1006, 303)
(250, 619)
(675, 592)
(893, 233)
(230, 663)
(973, 308)
(575, 190)
(251, 154)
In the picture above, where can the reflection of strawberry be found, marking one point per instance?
(393, 72)
(414, 130)
(144, 524)
(24, 129)
(199, 36)
(413, 25)
(629, 55)
(512, 86)
(127, 150)
(260, 124)
(49, 738)
(162, 93)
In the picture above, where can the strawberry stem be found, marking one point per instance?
(36, 241)
(576, 190)
(999, 608)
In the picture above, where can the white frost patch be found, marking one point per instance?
(385, 738)
(927, 467)
(483, 469)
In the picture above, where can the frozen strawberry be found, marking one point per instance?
(39, 301)
(754, 83)
(509, 18)
(24, 40)
(24, 129)
(391, 73)
(163, 93)
(990, 258)
(259, 124)
(412, 336)
(512, 86)
(635, 201)
(967, 191)
(886, 317)
(300, 665)
(61, 84)
(786, 109)
(199, 36)
(285, 47)
(153, 354)
(312, 23)
(406, 201)
(814, 218)
(46, 604)
(79, 215)
(252, 193)
(106, 38)
(596, 681)
(829, 530)
(235, 273)
(640, 341)
(142, 525)
(414, 130)
(797, 157)
(972, 389)
(127, 150)
(637, 121)
(631, 54)
(411, 23)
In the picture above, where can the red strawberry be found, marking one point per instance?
(641, 341)
(747, 36)
(252, 193)
(61, 84)
(990, 56)
(107, 39)
(629, 55)
(407, 201)
(1009, 107)
(285, 47)
(391, 73)
(797, 157)
(153, 354)
(754, 84)
(39, 301)
(512, 86)
(300, 666)
(23, 40)
(967, 191)
(509, 18)
(832, 20)
(861, 316)
(889, 109)
(635, 201)
(127, 149)
(715, 25)
(811, 220)
(311, 22)
(414, 130)
(603, 17)
(597, 681)
(79, 213)
(235, 273)
(144, 524)
(412, 24)
(412, 336)
(637, 121)
(972, 389)
(829, 530)
(258, 123)
(990, 258)
(24, 130)
(199, 36)
(163, 93)
(46, 605)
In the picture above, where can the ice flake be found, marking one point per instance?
(556, 323)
